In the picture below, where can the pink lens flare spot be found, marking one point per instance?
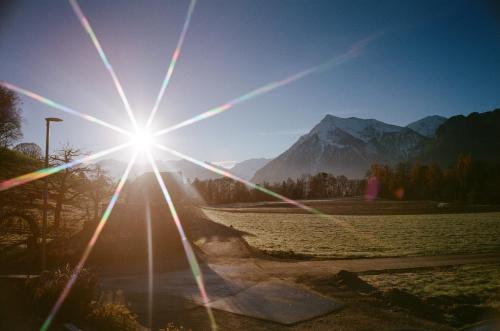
(372, 188)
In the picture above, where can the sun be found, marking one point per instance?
(142, 139)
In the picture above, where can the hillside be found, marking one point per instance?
(477, 134)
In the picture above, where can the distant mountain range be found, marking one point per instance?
(245, 169)
(115, 168)
(348, 146)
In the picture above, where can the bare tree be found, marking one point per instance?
(98, 190)
(68, 185)
(10, 117)
(31, 150)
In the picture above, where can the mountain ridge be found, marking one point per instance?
(342, 146)
(428, 125)
(348, 146)
(477, 135)
(244, 169)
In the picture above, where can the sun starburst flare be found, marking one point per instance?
(141, 139)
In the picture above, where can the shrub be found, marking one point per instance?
(171, 327)
(111, 317)
(46, 289)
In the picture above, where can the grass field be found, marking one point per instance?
(367, 236)
(480, 281)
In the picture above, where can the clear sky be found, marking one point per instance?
(434, 57)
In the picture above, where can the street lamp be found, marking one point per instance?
(45, 192)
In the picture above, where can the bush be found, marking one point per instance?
(44, 291)
(171, 327)
(111, 317)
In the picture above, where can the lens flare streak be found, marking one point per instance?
(63, 108)
(241, 180)
(89, 247)
(86, 25)
(150, 263)
(173, 62)
(352, 53)
(193, 263)
(23, 179)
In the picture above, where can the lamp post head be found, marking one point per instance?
(53, 119)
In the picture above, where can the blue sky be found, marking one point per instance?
(434, 57)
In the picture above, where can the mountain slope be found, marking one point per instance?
(342, 146)
(427, 126)
(477, 134)
(247, 169)
(188, 169)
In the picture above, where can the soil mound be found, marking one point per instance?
(412, 303)
(350, 280)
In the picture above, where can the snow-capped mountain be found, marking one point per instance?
(342, 146)
(247, 169)
(427, 126)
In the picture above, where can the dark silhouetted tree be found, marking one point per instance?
(31, 150)
(69, 184)
(10, 117)
(98, 189)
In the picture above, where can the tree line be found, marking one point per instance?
(321, 185)
(467, 181)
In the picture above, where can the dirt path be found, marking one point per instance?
(177, 298)
(255, 268)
